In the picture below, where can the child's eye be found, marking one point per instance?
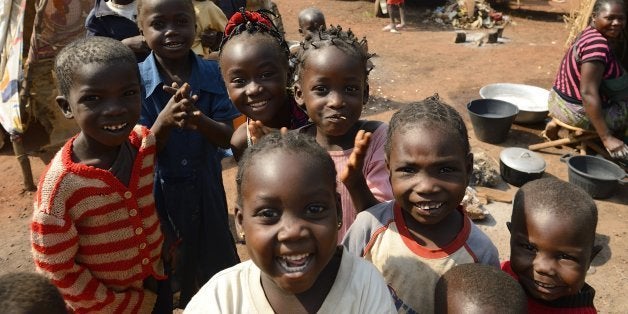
(320, 89)
(182, 21)
(406, 170)
(266, 75)
(131, 92)
(238, 81)
(315, 209)
(352, 89)
(446, 170)
(90, 98)
(528, 247)
(157, 24)
(267, 213)
(567, 257)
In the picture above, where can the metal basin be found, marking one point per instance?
(531, 100)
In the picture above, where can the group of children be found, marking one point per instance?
(133, 207)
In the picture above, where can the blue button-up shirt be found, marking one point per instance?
(186, 150)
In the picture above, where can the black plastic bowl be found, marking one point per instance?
(599, 177)
(491, 119)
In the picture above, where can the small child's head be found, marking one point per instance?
(99, 87)
(429, 159)
(29, 293)
(552, 234)
(254, 65)
(288, 209)
(311, 20)
(332, 78)
(168, 26)
(476, 288)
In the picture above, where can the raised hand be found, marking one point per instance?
(257, 130)
(353, 172)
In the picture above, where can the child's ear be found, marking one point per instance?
(596, 250)
(64, 105)
(338, 210)
(366, 93)
(509, 226)
(298, 95)
(238, 222)
(469, 166)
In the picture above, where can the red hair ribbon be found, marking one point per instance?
(244, 17)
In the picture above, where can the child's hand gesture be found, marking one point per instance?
(353, 177)
(179, 110)
(257, 130)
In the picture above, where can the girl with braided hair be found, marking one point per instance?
(254, 64)
(332, 84)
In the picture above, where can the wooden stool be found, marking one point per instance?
(583, 138)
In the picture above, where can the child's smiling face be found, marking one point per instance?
(105, 101)
(255, 74)
(549, 254)
(429, 172)
(333, 89)
(168, 27)
(289, 219)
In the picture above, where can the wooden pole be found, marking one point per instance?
(25, 164)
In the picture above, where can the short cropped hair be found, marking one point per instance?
(290, 143)
(311, 13)
(483, 286)
(96, 49)
(597, 6)
(558, 198)
(25, 292)
(430, 112)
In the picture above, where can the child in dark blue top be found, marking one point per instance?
(189, 191)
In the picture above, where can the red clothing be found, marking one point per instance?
(95, 238)
(582, 303)
(590, 46)
(395, 2)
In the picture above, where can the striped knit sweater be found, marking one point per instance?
(96, 239)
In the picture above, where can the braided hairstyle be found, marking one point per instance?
(258, 22)
(96, 49)
(290, 143)
(346, 41)
(430, 112)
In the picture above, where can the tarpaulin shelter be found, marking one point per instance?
(31, 34)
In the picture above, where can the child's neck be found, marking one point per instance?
(92, 154)
(175, 70)
(282, 119)
(437, 235)
(309, 301)
(336, 143)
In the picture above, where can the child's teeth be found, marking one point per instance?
(295, 257)
(294, 263)
(114, 127)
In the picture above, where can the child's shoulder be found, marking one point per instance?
(367, 225)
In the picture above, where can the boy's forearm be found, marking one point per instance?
(218, 133)
(161, 133)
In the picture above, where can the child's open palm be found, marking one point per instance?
(257, 130)
(353, 172)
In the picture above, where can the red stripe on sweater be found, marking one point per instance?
(54, 249)
(54, 267)
(110, 247)
(100, 229)
(145, 190)
(40, 228)
(69, 279)
(136, 308)
(125, 303)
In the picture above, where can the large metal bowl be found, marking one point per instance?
(531, 100)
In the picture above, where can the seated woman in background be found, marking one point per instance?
(591, 88)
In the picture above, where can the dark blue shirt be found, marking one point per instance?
(186, 150)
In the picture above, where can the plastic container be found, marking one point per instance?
(599, 177)
(491, 119)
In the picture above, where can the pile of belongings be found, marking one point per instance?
(455, 12)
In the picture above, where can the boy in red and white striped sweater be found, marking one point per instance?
(95, 232)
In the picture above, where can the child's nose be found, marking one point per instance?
(543, 264)
(253, 88)
(426, 184)
(291, 229)
(336, 100)
(114, 108)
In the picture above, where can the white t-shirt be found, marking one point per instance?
(358, 288)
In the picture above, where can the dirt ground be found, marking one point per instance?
(410, 66)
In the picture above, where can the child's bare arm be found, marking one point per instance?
(239, 142)
(353, 177)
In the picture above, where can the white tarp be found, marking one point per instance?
(11, 26)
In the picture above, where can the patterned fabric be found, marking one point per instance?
(615, 114)
(581, 303)
(358, 288)
(411, 271)
(96, 239)
(590, 46)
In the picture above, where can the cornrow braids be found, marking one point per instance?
(252, 23)
(289, 143)
(346, 41)
(429, 112)
(96, 49)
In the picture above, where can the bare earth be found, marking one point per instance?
(410, 66)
